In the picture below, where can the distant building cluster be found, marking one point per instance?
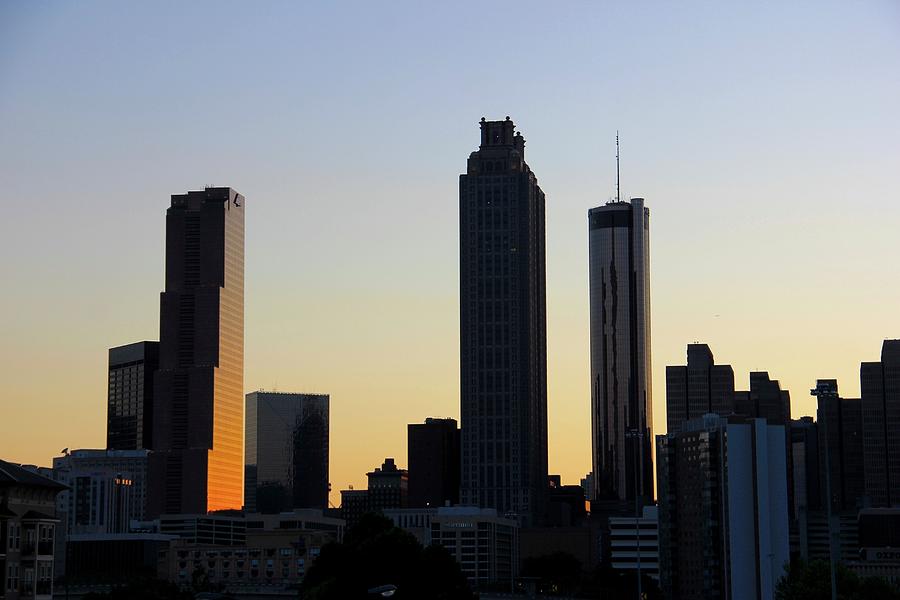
(199, 478)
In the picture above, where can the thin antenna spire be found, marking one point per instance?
(618, 193)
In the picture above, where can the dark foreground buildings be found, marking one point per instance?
(723, 508)
(880, 387)
(286, 452)
(433, 448)
(129, 421)
(27, 531)
(198, 424)
(503, 341)
(621, 419)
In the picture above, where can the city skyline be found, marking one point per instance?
(326, 312)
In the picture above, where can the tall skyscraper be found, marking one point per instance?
(723, 509)
(433, 448)
(699, 388)
(198, 425)
(621, 418)
(129, 420)
(503, 328)
(286, 452)
(840, 433)
(880, 385)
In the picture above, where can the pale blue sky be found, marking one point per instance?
(765, 138)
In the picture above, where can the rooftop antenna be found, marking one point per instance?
(618, 194)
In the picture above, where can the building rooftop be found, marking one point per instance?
(13, 474)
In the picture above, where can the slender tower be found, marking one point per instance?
(503, 331)
(198, 425)
(621, 421)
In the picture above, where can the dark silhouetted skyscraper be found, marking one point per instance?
(699, 388)
(839, 424)
(503, 328)
(198, 425)
(723, 508)
(880, 385)
(286, 452)
(129, 420)
(433, 448)
(621, 419)
(765, 400)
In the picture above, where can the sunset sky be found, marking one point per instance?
(766, 141)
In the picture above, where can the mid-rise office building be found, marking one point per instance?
(198, 408)
(880, 386)
(723, 509)
(107, 490)
(634, 543)
(27, 531)
(485, 545)
(433, 448)
(129, 421)
(621, 414)
(388, 489)
(503, 328)
(765, 400)
(839, 425)
(286, 451)
(699, 388)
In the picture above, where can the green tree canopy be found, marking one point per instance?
(376, 553)
(812, 581)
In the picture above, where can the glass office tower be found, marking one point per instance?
(198, 432)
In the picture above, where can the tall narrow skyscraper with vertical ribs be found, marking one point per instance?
(198, 425)
(619, 249)
(503, 329)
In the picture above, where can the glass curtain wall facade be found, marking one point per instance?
(286, 451)
(129, 421)
(621, 419)
(198, 463)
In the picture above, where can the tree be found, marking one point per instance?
(375, 553)
(558, 572)
(812, 581)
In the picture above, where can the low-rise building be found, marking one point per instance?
(276, 552)
(634, 543)
(485, 545)
(27, 531)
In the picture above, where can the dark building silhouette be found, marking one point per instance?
(198, 424)
(388, 489)
(129, 420)
(699, 388)
(433, 459)
(723, 508)
(765, 400)
(839, 424)
(621, 413)
(286, 452)
(503, 341)
(880, 386)
(807, 470)
(28, 528)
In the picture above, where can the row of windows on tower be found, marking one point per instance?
(493, 405)
(495, 288)
(500, 358)
(490, 166)
(494, 312)
(496, 335)
(494, 219)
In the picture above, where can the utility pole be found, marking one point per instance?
(638, 436)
